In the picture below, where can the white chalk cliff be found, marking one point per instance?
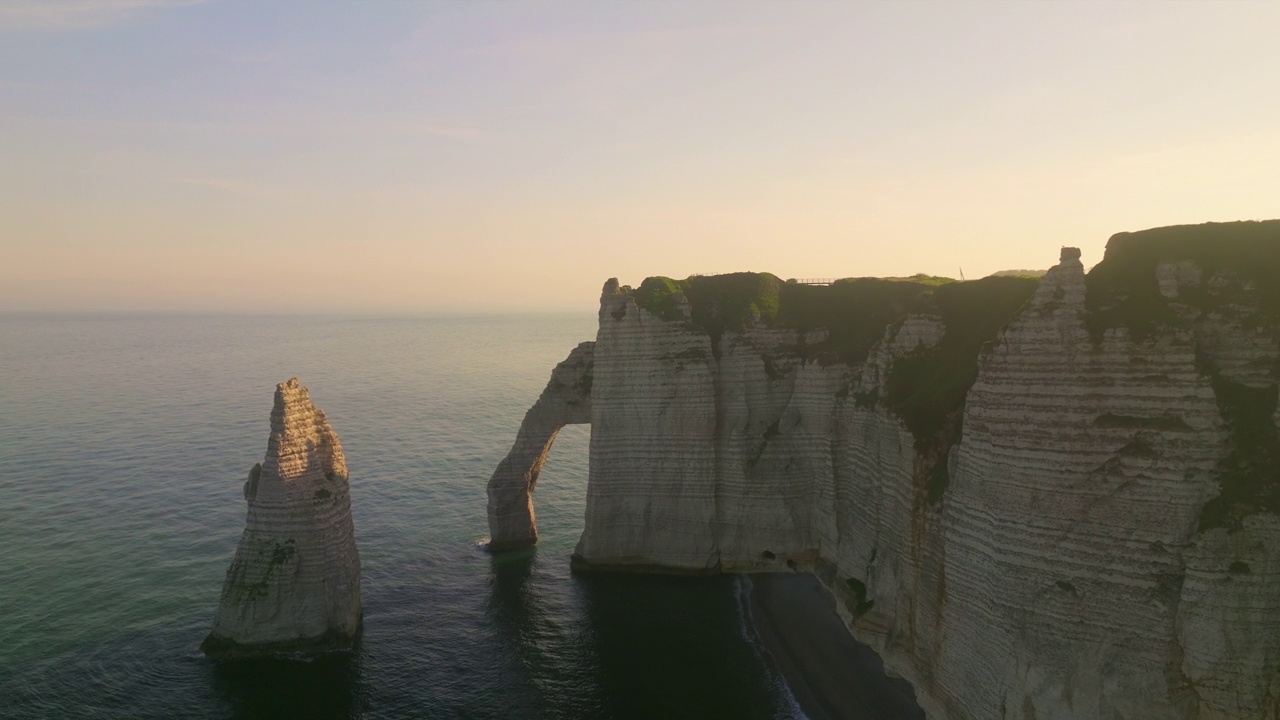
(1089, 532)
(294, 585)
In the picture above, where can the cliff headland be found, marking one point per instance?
(1052, 497)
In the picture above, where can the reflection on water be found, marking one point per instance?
(123, 449)
(513, 611)
(662, 647)
(676, 629)
(328, 688)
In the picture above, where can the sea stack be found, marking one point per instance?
(294, 585)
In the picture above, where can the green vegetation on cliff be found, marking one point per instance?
(717, 302)
(1226, 272)
(1123, 290)
(861, 605)
(727, 302)
(1233, 275)
(927, 388)
(658, 296)
(1249, 475)
(854, 312)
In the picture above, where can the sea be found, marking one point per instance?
(124, 444)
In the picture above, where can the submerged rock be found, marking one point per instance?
(294, 585)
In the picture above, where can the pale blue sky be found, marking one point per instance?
(407, 157)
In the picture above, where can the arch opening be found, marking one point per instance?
(566, 400)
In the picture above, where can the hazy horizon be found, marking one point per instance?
(217, 157)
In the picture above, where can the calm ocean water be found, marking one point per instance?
(124, 442)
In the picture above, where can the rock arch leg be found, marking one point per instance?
(565, 401)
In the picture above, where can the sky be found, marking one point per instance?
(482, 157)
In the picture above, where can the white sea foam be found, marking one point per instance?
(747, 631)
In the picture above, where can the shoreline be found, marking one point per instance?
(831, 674)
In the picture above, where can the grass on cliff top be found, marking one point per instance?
(854, 312)
(717, 302)
(1020, 273)
(1123, 291)
(918, 278)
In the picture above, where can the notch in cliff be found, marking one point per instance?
(927, 387)
(293, 587)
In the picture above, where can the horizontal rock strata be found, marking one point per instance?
(1073, 517)
(293, 587)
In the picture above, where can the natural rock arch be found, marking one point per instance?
(565, 401)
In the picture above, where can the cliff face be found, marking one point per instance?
(1074, 497)
(1058, 508)
(294, 584)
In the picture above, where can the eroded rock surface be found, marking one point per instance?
(294, 584)
(565, 401)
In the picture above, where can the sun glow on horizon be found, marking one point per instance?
(165, 155)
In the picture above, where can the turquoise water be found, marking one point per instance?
(124, 442)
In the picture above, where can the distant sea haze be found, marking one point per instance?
(124, 444)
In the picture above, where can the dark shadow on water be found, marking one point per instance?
(510, 592)
(832, 673)
(513, 610)
(674, 647)
(513, 607)
(328, 688)
(625, 646)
